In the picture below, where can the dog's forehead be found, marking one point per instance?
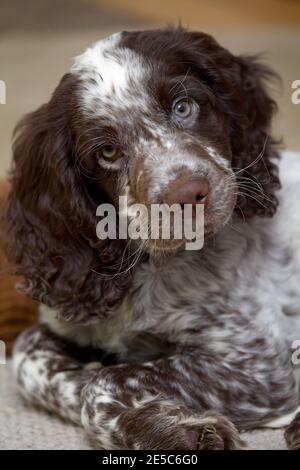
(111, 75)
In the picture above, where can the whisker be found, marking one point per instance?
(259, 157)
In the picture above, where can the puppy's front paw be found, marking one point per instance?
(218, 433)
(292, 434)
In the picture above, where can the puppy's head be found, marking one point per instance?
(163, 116)
(171, 117)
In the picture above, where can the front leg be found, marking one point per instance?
(167, 403)
(156, 405)
(157, 424)
(48, 374)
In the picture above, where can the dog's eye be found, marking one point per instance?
(110, 152)
(182, 108)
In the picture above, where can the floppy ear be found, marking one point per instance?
(50, 217)
(253, 149)
(239, 85)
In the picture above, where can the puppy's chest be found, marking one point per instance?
(163, 310)
(195, 301)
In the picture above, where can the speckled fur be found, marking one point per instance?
(192, 346)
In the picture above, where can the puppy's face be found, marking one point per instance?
(151, 128)
(160, 116)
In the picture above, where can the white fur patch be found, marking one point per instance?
(283, 420)
(110, 73)
(217, 156)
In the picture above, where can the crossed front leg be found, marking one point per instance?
(180, 402)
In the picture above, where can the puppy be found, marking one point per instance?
(150, 345)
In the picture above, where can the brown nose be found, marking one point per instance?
(191, 191)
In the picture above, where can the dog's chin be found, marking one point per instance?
(172, 245)
(213, 224)
(155, 247)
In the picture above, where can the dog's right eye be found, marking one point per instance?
(182, 108)
(110, 152)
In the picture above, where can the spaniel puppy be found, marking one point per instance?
(153, 346)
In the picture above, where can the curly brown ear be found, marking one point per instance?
(50, 217)
(253, 149)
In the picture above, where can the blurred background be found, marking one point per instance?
(38, 38)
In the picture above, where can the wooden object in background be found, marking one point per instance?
(17, 311)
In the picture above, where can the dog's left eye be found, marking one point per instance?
(182, 108)
(110, 152)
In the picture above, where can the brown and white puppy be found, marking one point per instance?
(159, 116)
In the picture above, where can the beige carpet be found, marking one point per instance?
(22, 427)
